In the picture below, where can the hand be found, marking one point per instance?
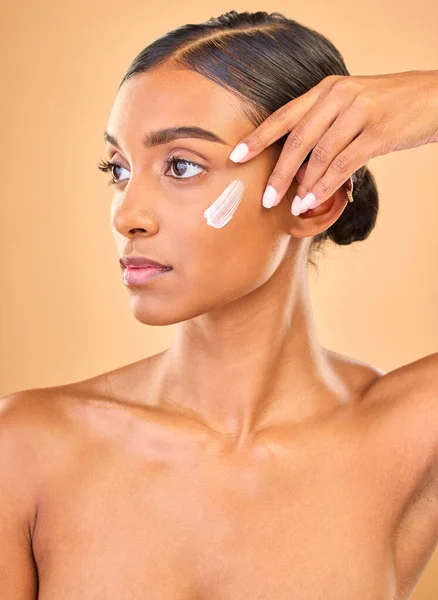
(346, 120)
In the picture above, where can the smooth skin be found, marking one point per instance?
(247, 460)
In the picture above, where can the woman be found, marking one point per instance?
(247, 460)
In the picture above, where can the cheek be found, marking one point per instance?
(222, 258)
(223, 208)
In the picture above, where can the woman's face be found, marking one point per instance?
(158, 209)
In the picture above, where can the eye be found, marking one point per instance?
(178, 160)
(104, 165)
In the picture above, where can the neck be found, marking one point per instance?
(253, 362)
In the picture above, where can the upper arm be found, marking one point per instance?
(18, 571)
(417, 537)
(409, 396)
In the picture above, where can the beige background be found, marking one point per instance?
(64, 312)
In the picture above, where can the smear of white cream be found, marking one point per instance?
(223, 209)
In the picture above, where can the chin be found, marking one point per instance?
(170, 308)
(160, 312)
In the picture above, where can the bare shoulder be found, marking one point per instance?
(36, 432)
(57, 412)
(401, 406)
(24, 410)
(408, 396)
(18, 497)
(400, 416)
(418, 378)
(37, 441)
(24, 415)
(21, 422)
(28, 413)
(406, 402)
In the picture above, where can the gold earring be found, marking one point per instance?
(349, 191)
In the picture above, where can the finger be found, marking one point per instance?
(297, 145)
(354, 156)
(277, 124)
(342, 132)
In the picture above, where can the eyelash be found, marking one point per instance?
(105, 165)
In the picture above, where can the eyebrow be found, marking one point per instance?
(164, 136)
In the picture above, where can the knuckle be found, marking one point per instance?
(363, 102)
(347, 85)
(330, 80)
(323, 188)
(340, 84)
(281, 115)
(294, 140)
(255, 142)
(319, 156)
(333, 77)
(341, 163)
(277, 175)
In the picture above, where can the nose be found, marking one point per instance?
(132, 218)
(134, 223)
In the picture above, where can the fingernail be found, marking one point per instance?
(308, 201)
(296, 206)
(314, 204)
(269, 197)
(239, 152)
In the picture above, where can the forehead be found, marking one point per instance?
(168, 96)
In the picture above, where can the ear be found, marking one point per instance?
(316, 220)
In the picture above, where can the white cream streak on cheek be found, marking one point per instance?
(221, 211)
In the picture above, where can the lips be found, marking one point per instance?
(140, 262)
